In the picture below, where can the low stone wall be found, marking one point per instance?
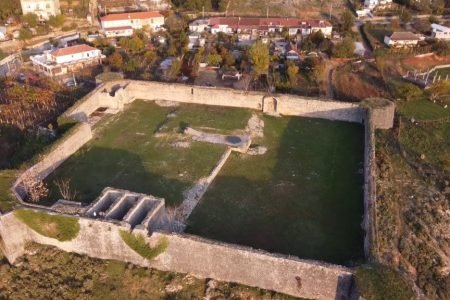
(369, 220)
(127, 91)
(59, 152)
(187, 254)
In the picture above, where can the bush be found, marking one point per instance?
(58, 227)
(139, 245)
(344, 49)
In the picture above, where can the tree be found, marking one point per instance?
(64, 189)
(259, 55)
(31, 19)
(405, 15)
(25, 34)
(115, 60)
(214, 59)
(347, 20)
(56, 21)
(292, 72)
(442, 48)
(344, 49)
(174, 70)
(229, 59)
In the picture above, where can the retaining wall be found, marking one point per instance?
(289, 105)
(187, 254)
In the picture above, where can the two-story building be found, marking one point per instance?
(120, 24)
(440, 32)
(65, 60)
(42, 8)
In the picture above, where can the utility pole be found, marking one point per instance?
(331, 9)
(203, 11)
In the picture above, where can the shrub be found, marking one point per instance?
(62, 228)
(346, 48)
(138, 244)
(381, 282)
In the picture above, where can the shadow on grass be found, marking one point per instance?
(91, 170)
(310, 203)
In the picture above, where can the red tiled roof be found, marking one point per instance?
(266, 22)
(404, 36)
(135, 15)
(72, 50)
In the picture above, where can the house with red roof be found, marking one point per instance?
(133, 20)
(65, 60)
(260, 26)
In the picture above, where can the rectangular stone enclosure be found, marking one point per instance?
(303, 197)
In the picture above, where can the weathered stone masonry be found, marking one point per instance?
(205, 258)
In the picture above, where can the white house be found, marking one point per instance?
(402, 39)
(64, 60)
(118, 31)
(440, 32)
(136, 20)
(199, 25)
(3, 35)
(371, 4)
(42, 8)
(196, 40)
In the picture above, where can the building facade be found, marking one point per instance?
(402, 39)
(258, 27)
(42, 8)
(137, 20)
(440, 32)
(65, 60)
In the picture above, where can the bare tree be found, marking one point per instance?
(65, 190)
(36, 188)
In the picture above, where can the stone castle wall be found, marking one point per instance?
(289, 105)
(200, 257)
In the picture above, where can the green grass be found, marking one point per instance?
(380, 282)
(58, 227)
(126, 153)
(138, 244)
(303, 197)
(423, 110)
(7, 178)
(443, 72)
(432, 140)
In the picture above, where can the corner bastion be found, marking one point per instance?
(101, 238)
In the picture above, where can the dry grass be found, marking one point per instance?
(358, 83)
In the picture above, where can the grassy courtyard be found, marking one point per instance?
(303, 197)
(135, 150)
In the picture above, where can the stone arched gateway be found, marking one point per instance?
(269, 104)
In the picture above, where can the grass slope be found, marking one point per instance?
(303, 197)
(59, 227)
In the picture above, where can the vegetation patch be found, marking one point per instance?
(140, 246)
(62, 228)
(380, 282)
(50, 273)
